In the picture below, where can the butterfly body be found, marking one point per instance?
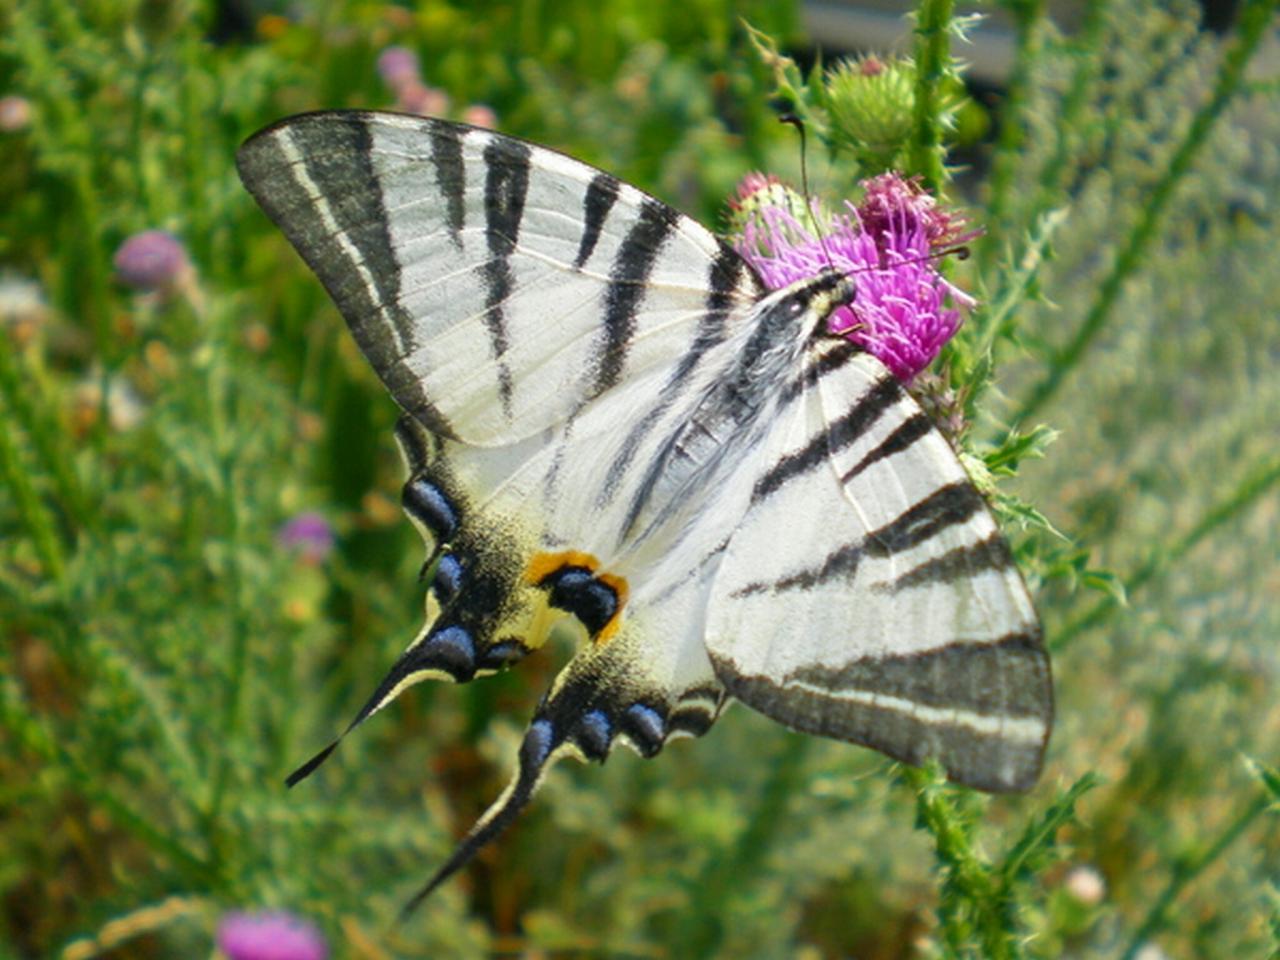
(610, 422)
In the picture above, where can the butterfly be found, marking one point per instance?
(609, 423)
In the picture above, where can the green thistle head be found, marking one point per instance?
(870, 103)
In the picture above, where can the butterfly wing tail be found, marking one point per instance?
(537, 751)
(483, 613)
(649, 682)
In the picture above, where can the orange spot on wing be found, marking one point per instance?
(619, 586)
(542, 565)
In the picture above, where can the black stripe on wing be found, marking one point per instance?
(505, 188)
(946, 507)
(915, 427)
(627, 280)
(601, 195)
(343, 235)
(958, 564)
(839, 434)
(1006, 676)
(729, 274)
(830, 355)
(451, 177)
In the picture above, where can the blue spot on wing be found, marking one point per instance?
(594, 734)
(451, 649)
(429, 504)
(538, 743)
(646, 727)
(448, 578)
(502, 655)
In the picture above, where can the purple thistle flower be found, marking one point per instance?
(309, 534)
(270, 936)
(889, 196)
(153, 260)
(398, 67)
(904, 310)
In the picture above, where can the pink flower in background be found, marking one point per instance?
(400, 71)
(904, 310)
(270, 936)
(310, 534)
(154, 260)
(478, 115)
(15, 113)
(398, 67)
(417, 98)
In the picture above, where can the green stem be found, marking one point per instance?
(722, 879)
(1254, 18)
(1256, 484)
(997, 319)
(31, 510)
(1086, 51)
(933, 62)
(1029, 21)
(45, 436)
(968, 877)
(221, 414)
(35, 738)
(1184, 874)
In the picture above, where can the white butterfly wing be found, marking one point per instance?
(545, 328)
(869, 596)
(495, 286)
(592, 383)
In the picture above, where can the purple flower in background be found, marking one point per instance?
(904, 310)
(398, 67)
(309, 534)
(153, 260)
(270, 936)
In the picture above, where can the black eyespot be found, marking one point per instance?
(576, 590)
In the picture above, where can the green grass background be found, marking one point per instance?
(165, 662)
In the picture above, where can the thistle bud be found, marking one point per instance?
(870, 103)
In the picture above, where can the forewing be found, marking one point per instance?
(495, 286)
(869, 596)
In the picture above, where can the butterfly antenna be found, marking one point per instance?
(960, 252)
(793, 120)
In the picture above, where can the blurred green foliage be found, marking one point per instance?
(166, 660)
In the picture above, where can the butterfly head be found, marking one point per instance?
(829, 290)
(808, 302)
